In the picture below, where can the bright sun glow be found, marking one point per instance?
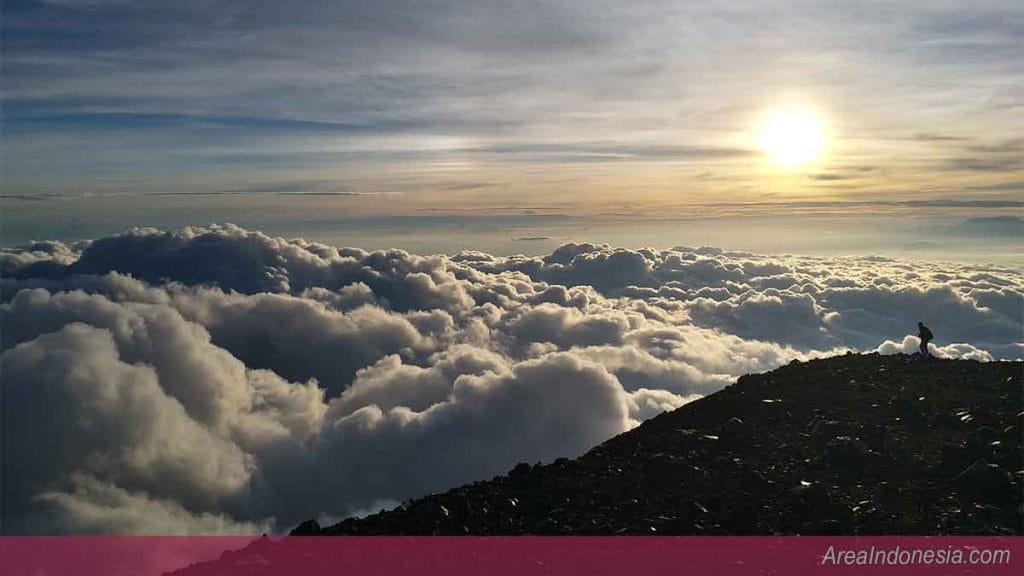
(793, 137)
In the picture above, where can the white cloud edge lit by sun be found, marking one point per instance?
(297, 379)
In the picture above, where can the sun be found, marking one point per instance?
(793, 137)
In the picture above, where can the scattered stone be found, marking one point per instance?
(753, 481)
(307, 528)
(975, 448)
(799, 453)
(909, 412)
(733, 426)
(847, 452)
(823, 528)
(521, 470)
(827, 428)
(986, 433)
(986, 482)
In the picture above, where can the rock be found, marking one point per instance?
(828, 428)
(753, 481)
(823, 527)
(847, 452)
(520, 471)
(986, 482)
(667, 469)
(696, 510)
(439, 513)
(743, 519)
(975, 448)
(909, 412)
(945, 419)
(548, 525)
(307, 528)
(986, 434)
(815, 494)
(733, 426)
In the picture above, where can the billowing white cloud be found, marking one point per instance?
(911, 345)
(213, 380)
(93, 507)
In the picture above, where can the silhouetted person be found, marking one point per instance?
(926, 336)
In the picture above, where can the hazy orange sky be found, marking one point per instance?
(605, 111)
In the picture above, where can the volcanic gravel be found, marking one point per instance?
(853, 444)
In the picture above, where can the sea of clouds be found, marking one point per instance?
(219, 380)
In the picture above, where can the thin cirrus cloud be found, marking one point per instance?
(223, 92)
(220, 380)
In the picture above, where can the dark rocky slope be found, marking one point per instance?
(854, 444)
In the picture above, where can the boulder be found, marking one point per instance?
(733, 426)
(520, 471)
(988, 483)
(847, 452)
(824, 527)
(307, 528)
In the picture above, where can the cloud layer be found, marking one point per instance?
(216, 379)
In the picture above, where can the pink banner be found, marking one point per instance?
(511, 556)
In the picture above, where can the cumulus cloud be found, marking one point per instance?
(93, 507)
(911, 344)
(214, 380)
(72, 404)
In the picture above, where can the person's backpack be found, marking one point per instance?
(926, 334)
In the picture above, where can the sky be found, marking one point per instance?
(337, 118)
